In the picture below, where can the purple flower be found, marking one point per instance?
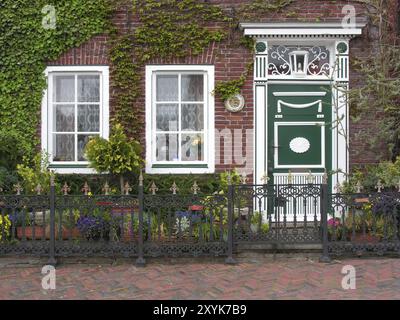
(91, 227)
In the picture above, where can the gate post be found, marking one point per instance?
(324, 223)
(140, 261)
(52, 249)
(230, 259)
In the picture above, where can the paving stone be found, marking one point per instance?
(260, 277)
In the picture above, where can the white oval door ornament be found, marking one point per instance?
(235, 103)
(299, 145)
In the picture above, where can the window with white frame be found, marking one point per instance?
(76, 109)
(180, 120)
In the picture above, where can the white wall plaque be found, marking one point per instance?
(299, 145)
(235, 103)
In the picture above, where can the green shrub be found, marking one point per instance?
(12, 150)
(34, 173)
(118, 156)
(386, 171)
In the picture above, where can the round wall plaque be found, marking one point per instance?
(235, 103)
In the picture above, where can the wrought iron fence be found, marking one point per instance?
(141, 225)
(363, 223)
(156, 224)
(288, 213)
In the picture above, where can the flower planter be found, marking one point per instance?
(40, 231)
(364, 238)
(196, 208)
(361, 200)
(118, 210)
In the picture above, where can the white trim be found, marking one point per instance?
(299, 94)
(46, 136)
(325, 30)
(305, 123)
(209, 134)
(327, 34)
(299, 106)
(260, 140)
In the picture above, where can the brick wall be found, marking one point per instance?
(230, 61)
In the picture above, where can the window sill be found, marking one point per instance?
(179, 169)
(72, 168)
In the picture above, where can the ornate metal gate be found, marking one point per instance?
(289, 213)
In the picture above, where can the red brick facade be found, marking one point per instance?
(230, 61)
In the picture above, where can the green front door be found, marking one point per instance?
(299, 131)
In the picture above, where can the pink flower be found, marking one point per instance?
(334, 222)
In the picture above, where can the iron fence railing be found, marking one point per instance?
(364, 223)
(156, 224)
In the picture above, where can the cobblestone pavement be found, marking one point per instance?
(260, 277)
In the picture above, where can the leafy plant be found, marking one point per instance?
(34, 173)
(26, 46)
(12, 149)
(118, 155)
(258, 224)
(5, 225)
(386, 171)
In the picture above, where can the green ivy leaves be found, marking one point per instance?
(27, 46)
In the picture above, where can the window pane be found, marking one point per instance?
(192, 147)
(167, 117)
(192, 87)
(64, 88)
(63, 147)
(88, 118)
(167, 147)
(64, 118)
(192, 117)
(82, 142)
(167, 88)
(89, 88)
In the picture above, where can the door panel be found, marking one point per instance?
(299, 133)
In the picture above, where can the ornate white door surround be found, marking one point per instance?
(298, 56)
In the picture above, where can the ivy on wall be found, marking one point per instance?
(165, 29)
(26, 46)
(173, 29)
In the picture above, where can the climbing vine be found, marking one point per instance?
(165, 29)
(26, 46)
(168, 29)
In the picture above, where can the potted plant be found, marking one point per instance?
(35, 228)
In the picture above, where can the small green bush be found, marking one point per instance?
(34, 173)
(118, 156)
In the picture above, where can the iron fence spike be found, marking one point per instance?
(65, 189)
(18, 188)
(106, 189)
(195, 187)
(38, 189)
(127, 188)
(174, 188)
(141, 178)
(153, 188)
(379, 186)
(86, 189)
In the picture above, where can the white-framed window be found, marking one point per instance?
(179, 119)
(75, 107)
